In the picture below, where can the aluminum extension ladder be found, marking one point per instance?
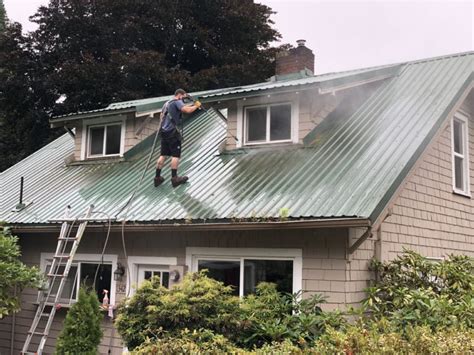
(49, 302)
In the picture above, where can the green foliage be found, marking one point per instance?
(272, 317)
(3, 17)
(82, 330)
(13, 273)
(412, 290)
(416, 307)
(197, 303)
(382, 338)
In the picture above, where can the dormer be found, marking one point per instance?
(107, 134)
(291, 104)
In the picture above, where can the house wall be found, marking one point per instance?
(324, 266)
(427, 216)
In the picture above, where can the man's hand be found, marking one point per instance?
(197, 103)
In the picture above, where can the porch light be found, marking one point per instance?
(119, 272)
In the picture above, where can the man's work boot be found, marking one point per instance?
(178, 180)
(159, 180)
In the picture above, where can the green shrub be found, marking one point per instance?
(197, 303)
(415, 307)
(82, 331)
(412, 290)
(273, 317)
(383, 338)
(14, 275)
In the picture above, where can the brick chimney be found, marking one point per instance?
(295, 60)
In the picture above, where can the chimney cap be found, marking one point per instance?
(301, 42)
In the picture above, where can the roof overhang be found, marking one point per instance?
(182, 226)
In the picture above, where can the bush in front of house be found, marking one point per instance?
(14, 275)
(413, 290)
(415, 306)
(82, 330)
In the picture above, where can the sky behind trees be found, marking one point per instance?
(352, 34)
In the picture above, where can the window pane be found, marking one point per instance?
(148, 275)
(103, 281)
(69, 290)
(165, 279)
(280, 122)
(459, 173)
(113, 139)
(96, 140)
(227, 272)
(279, 272)
(256, 124)
(457, 136)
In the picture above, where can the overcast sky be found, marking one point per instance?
(353, 34)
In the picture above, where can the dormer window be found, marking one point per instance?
(268, 123)
(105, 140)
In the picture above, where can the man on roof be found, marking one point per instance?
(171, 117)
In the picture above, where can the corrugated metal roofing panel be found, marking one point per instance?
(352, 172)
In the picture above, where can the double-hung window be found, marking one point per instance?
(268, 124)
(104, 140)
(83, 273)
(460, 154)
(244, 269)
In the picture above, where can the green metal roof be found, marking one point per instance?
(349, 167)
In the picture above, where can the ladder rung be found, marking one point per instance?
(45, 314)
(62, 256)
(53, 275)
(67, 239)
(37, 333)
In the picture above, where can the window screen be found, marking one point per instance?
(112, 145)
(280, 122)
(96, 137)
(257, 124)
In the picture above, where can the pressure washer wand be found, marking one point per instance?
(219, 114)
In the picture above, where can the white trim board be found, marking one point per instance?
(194, 253)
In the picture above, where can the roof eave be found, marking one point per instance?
(219, 226)
(61, 121)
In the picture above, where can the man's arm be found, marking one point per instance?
(192, 108)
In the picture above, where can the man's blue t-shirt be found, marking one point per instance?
(174, 112)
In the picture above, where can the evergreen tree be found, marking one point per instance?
(24, 98)
(82, 331)
(3, 17)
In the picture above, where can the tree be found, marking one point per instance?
(82, 331)
(92, 53)
(24, 98)
(3, 16)
(14, 275)
(111, 50)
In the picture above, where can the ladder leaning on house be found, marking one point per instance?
(49, 302)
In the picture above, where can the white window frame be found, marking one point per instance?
(108, 259)
(134, 263)
(245, 104)
(463, 119)
(101, 122)
(194, 254)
